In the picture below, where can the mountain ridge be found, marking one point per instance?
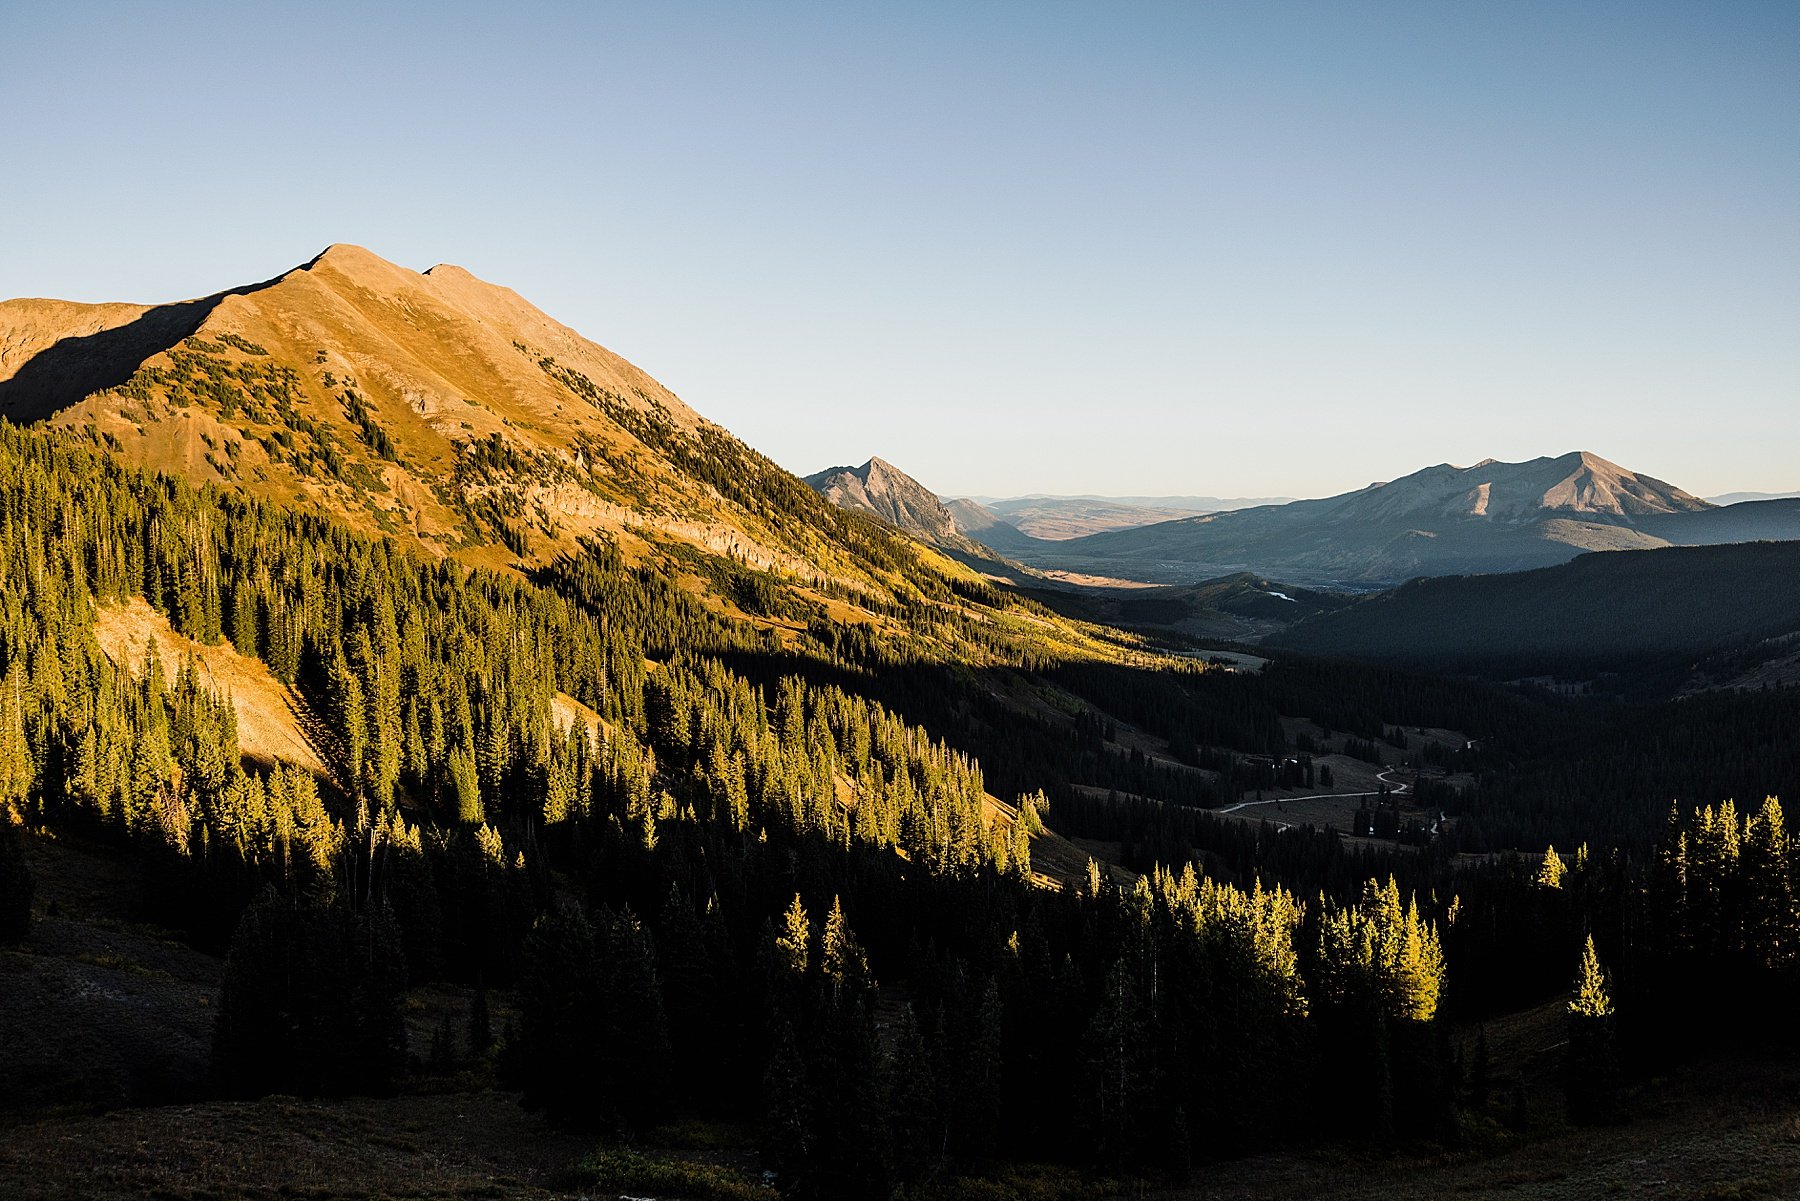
(1443, 519)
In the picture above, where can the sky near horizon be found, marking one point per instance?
(1226, 249)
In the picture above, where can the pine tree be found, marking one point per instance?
(1767, 898)
(793, 940)
(465, 787)
(841, 960)
(975, 1114)
(1551, 870)
(787, 1144)
(1481, 1074)
(917, 1124)
(16, 768)
(1115, 1044)
(1591, 1072)
(632, 1083)
(311, 1002)
(560, 1055)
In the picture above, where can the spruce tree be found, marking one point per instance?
(913, 1107)
(1551, 870)
(1591, 1071)
(787, 1142)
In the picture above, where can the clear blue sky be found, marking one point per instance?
(1233, 249)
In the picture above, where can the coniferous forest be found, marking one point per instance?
(793, 882)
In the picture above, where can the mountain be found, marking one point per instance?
(883, 490)
(432, 407)
(1659, 612)
(1056, 518)
(1442, 520)
(444, 662)
(429, 405)
(962, 529)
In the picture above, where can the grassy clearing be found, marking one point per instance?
(643, 1173)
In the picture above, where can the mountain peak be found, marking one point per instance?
(883, 490)
(349, 257)
(1579, 484)
(1592, 462)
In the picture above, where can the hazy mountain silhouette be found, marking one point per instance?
(1438, 521)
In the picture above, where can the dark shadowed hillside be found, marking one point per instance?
(1617, 612)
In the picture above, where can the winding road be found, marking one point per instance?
(1397, 789)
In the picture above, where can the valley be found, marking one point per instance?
(410, 707)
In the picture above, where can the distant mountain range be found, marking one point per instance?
(1007, 524)
(1738, 498)
(1443, 520)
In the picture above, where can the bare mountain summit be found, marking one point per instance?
(883, 490)
(961, 527)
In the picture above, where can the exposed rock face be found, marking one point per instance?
(883, 490)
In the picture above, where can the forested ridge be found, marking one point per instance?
(769, 883)
(1649, 615)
